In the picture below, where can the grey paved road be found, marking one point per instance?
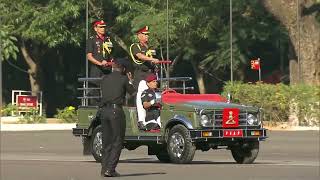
(56, 155)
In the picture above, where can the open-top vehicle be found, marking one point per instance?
(190, 122)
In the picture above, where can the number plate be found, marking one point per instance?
(233, 133)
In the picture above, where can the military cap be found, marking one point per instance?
(151, 77)
(99, 23)
(144, 30)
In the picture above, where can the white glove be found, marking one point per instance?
(152, 102)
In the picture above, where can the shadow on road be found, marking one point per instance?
(154, 161)
(143, 174)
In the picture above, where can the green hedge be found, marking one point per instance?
(67, 115)
(279, 101)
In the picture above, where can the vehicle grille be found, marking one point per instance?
(217, 120)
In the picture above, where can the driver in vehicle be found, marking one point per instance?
(151, 104)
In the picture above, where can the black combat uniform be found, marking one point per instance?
(101, 49)
(142, 68)
(153, 112)
(114, 87)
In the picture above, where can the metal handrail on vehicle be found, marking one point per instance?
(178, 79)
(180, 88)
(85, 89)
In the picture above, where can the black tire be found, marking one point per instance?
(245, 155)
(163, 157)
(180, 149)
(86, 142)
(96, 143)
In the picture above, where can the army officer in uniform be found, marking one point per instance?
(142, 56)
(99, 53)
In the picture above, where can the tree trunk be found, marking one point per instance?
(33, 71)
(307, 39)
(199, 77)
(293, 65)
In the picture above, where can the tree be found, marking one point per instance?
(199, 32)
(190, 38)
(304, 32)
(39, 25)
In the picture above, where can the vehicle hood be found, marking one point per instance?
(209, 105)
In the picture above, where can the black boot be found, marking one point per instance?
(111, 173)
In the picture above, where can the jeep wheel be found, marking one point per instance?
(96, 143)
(179, 147)
(86, 142)
(245, 155)
(163, 156)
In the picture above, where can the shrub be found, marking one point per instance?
(9, 109)
(67, 115)
(279, 101)
(32, 117)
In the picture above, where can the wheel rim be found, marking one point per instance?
(177, 144)
(97, 144)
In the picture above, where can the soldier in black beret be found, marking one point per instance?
(114, 88)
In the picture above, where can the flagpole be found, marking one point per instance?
(168, 73)
(87, 64)
(1, 77)
(231, 57)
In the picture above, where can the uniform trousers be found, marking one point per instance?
(113, 131)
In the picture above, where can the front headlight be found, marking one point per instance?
(205, 120)
(253, 120)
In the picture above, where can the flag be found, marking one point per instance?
(255, 64)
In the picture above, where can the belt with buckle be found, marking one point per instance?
(109, 105)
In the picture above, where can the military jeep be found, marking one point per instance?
(190, 122)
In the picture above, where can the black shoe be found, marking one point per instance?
(102, 173)
(111, 173)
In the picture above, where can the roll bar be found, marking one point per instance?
(85, 97)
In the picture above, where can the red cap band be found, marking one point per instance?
(144, 30)
(151, 77)
(99, 23)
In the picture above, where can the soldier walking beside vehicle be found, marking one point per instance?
(114, 88)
